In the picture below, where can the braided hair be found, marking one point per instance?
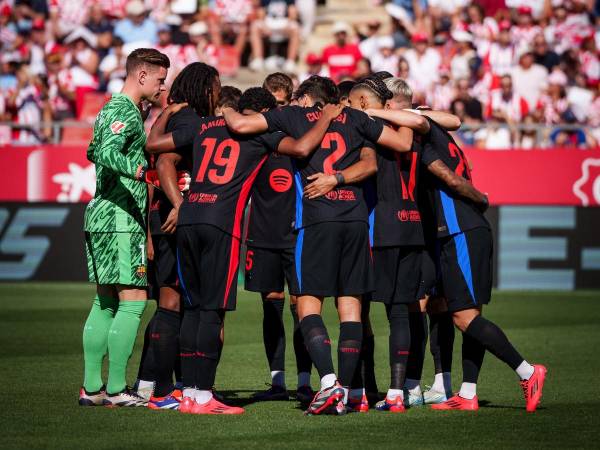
(194, 85)
(377, 87)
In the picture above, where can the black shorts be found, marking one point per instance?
(267, 269)
(208, 261)
(333, 259)
(165, 260)
(466, 268)
(429, 274)
(397, 274)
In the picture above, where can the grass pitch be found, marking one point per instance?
(41, 371)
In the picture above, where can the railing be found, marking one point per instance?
(541, 133)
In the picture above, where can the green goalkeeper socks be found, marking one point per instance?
(121, 338)
(95, 340)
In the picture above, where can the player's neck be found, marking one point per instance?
(131, 90)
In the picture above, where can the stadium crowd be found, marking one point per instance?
(496, 63)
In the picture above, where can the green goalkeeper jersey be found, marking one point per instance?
(117, 149)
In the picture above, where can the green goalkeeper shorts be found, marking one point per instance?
(116, 258)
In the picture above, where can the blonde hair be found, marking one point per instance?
(399, 88)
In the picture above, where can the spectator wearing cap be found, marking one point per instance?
(554, 105)
(501, 55)
(523, 33)
(384, 59)
(424, 63)
(342, 56)
(173, 51)
(61, 98)
(368, 35)
(543, 55)
(529, 79)
(314, 66)
(363, 70)
(460, 62)
(441, 94)
(136, 27)
(277, 20)
(8, 29)
(39, 42)
(228, 22)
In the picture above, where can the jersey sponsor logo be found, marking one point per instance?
(117, 127)
(410, 215)
(212, 124)
(587, 187)
(313, 116)
(280, 180)
(201, 197)
(341, 195)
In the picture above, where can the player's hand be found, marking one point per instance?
(484, 205)
(321, 185)
(175, 107)
(330, 111)
(170, 224)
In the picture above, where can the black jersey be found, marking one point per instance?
(272, 208)
(454, 214)
(396, 220)
(184, 126)
(225, 167)
(346, 136)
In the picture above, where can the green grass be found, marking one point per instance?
(41, 371)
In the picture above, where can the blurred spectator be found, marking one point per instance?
(200, 42)
(314, 66)
(469, 105)
(307, 10)
(137, 27)
(505, 105)
(384, 58)
(554, 106)
(403, 69)
(501, 54)
(228, 22)
(367, 33)
(441, 94)
(112, 67)
(277, 20)
(101, 26)
(460, 63)
(483, 29)
(525, 30)
(66, 15)
(424, 63)
(342, 56)
(543, 55)
(363, 69)
(529, 79)
(588, 58)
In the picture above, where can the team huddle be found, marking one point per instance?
(353, 195)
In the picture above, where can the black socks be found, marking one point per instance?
(399, 343)
(274, 333)
(418, 342)
(349, 347)
(441, 341)
(494, 340)
(303, 361)
(317, 343)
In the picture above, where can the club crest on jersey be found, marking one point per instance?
(117, 126)
(280, 180)
(140, 272)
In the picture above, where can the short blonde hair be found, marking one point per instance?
(399, 88)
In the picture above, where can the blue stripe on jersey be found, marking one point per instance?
(298, 257)
(371, 226)
(185, 291)
(299, 196)
(464, 261)
(449, 213)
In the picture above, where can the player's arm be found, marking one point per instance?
(458, 184)
(166, 166)
(321, 183)
(311, 140)
(241, 124)
(158, 141)
(448, 121)
(402, 118)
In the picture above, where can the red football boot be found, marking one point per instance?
(213, 406)
(358, 405)
(186, 405)
(532, 388)
(458, 403)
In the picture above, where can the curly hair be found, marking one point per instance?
(256, 99)
(194, 85)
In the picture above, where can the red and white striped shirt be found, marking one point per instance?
(514, 108)
(500, 59)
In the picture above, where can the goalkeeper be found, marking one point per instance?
(115, 231)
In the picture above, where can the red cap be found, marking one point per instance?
(419, 37)
(6, 10)
(312, 59)
(38, 24)
(505, 25)
(524, 10)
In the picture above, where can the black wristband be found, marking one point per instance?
(339, 178)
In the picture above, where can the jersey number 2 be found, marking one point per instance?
(337, 154)
(225, 163)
